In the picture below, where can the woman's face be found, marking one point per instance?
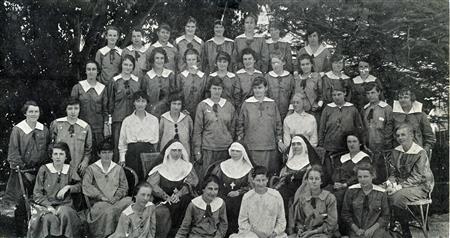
(222, 65)
(58, 156)
(338, 97)
(405, 100)
(73, 111)
(191, 60)
(306, 66)
(337, 66)
(216, 91)
(313, 38)
(127, 66)
(364, 177)
(190, 28)
(404, 137)
(163, 36)
(175, 154)
(274, 33)
(235, 154)
(363, 68)
(112, 36)
(140, 104)
(143, 196)
(353, 144)
(136, 37)
(260, 181)
(248, 61)
(314, 179)
(158, 61)
(277, 64)
(106, 155)
(175, 106)
(210, 191)
(297, 148)
(32, 113)
(297, 103)
(219, 30)
(249, 24)
(91, 71)
(259, 91)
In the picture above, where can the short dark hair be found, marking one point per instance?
(71, 101)
(371, 85)
(311, 30)
(64, 147)
(127, 57)
(365, 166)
(355, 134)
(216, 81)
(277, 54)
(105, 145)
(218, 22)
(222, 55)
(114, 28)
(258, 81)
(191, 20)
(251, 15)
(336, 57)
(211, 178)
(191, 51)
(176, 96)
(91, 61)
(140, 94)
(157, 50)
(248, 51)
(405, 126)
(308, 57)
(259, 170)
(27, 104)
(164, 26)
(143, 184)
(137, 29)
(407, 91)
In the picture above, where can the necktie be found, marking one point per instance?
(366, 203)
(112, 55)
(208, 212)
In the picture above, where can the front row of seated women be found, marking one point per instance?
(236, 200)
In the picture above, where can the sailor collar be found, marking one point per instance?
(132, 76)
(243, 36)
(381, 104)
(210, 102)
(318, 51)
(199, 73)
(23, 125)
(359, 80)
(273, 74)
(216, 204)
(105, 50)
(374, 187)
(168, 117)
(157, 44)
(142, 49)
(229, 74)
(281, 40)
(183, 37)
(165, 73)
(111, 166)
(416, 107)
(414, 150)
(86, 86)
(80, 122)
(219, 43)
(129, 210)
(331, 75)
(243, 71)
(253, 99)
(358, 157)
(346, 104)
(53, 170)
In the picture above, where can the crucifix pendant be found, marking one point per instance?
(175, 191)
(232, 185)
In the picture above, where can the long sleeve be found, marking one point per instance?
(122, 190)
(111, 96)
(264, 61)
(153, 179)
(286, 133)
(419, 171)
(223, 223)
(278, 125)
(347, 210)
(322, 126)
(122, 227)
(98, 59)
(74, 93)
(53, 131)
(185, 228)
(428, 136)
(191, 181)
(385, 212)
(314, 138)
(240, 127)
(88, 144)
(358, 121)
(105, 105)
(39, 191)
(123, 146)
(232, 128)
(14, 157)
(280, 224)
(243, 219)
(299, 217)
(88, 186)
(198, 128)
(288, 56)
(332, 218)
(388, 129)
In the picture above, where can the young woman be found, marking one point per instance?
(188, 41)
(163, 34)
(214, 127)
(93, 99)
(247, 74)
(317, 50)
(366, 209)
(137, 49)
(120, 98)
(157, 82)
(335, 79)
(139, 219)
(206, 214)
(172, 181)
(109, 57)
(358, 83)
(276, 43)
(192, 81)
(56, 216)
(234, 175)
(309, 83)
(213, 46)
(259, 125)
(315, 212)
(175, 124)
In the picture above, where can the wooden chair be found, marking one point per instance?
(149, 161)
(424, 206)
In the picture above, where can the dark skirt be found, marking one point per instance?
(133, 157)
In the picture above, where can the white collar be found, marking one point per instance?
(183, 37)
(253, 99)
(174, 170)
(273, 74)
(318, 51)
(216, 204)
(321, 74)
(374, 187)
(236, 169)
(256, 35)
(243, 71)
(168, 117)
(23, 125)
(416, 107)
(358, 157)
(297, 162)
(199, 73)
(129, 210)
(331, 75)
(346, 104)
(86, 86)
(105, 50)
(132, 76)
(157, 44)
(217, 43)
(414, 150)
(79, 121)
(111, 166)
(303, 114)
(229, 74)
(165, 73)
(283, 40)
(142, 49)
(359, 80)
(210, 102)
(380, 103)
(146, 115)
(52, 168)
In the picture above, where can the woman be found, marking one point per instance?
(317, 50)
(366, 209)
(56, 216)
(247, 74)
(206, 214)
(408, 110)
(315, 213)
(188, 41)
(309, 83)
(260, 127)
(163, 33)
(158, 82)
(139, 219)
(301, 156)
(172, 182)
(335, 78)
(120, 98)
(175, 124)
(234, 175)
(276, 43)
(27, 150)
(139, 134)
(214, 45)
(214, 127)
(359, 82)
(106, 186)
(93, 102)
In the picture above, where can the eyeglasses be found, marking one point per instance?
(71, 130)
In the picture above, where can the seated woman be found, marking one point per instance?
(300, 157)
(366, 209)
(262, 213)
(234, 175)
(299, 122)
(315, 212)
(410, 176)
(53, 185)
(172, 181)
(105, 184)
(139, 219)
(206, 215)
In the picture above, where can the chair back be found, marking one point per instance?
(149, 161)
(132, 179)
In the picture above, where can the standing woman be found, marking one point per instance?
(309, 83)
(109, 57)
(247, 74)
(277, 44)
(234, 175)
(27, 150)
(260, 127)
(215, 45)
(214, 127)
(120, 98)
(52, 191)
(139, 134)
(157, 82)
(335, 79)
(137, 49)
(93, 102)
(163, 34)
(317, 50)
(188, 41)
(172, 181)
(252, 40)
